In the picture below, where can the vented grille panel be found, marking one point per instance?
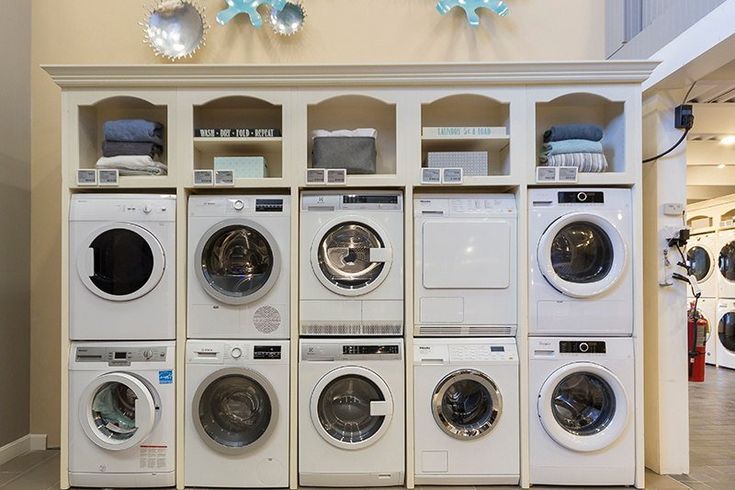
(352, 328)
(267, 319)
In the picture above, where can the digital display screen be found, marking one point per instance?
(267, 352)
(268, 205)
(497, 348)
(369, 349)
(370, 199)
(120, 355)
(581, 197)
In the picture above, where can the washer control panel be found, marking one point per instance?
(351, 352)
(436, 353)
(582, 347)
(120, 356)
(581, 197)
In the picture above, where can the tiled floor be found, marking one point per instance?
(712, 447)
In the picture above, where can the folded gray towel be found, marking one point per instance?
(138, 130)
(573, 132)
(585, 162)
(117, 148)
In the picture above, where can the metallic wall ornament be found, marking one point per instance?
(175, 29)
(470, 8)
(288, 21)
(250, 7)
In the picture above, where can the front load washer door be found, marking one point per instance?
(121, 262)
(351, 257)
(727, 261)
(466, 404)
(700, 262)
(582, 255)
(351, 407)
(118, 411)
(234, 410)
(726, 331)
(237, 262)
(583, 407)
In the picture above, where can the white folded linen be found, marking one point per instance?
(133, 165)
(345, 133)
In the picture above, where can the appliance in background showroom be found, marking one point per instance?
(466, 265)
(466, 412)
(351, 412)
(351, 280)
(702, 262)
(581, 280)
(122, 414)
(725, 331)
(122, 257)
(237, 413)
(726, 264)
(582, 424)
(708, 310)
(239, 267)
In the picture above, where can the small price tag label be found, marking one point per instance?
(224, 178)
(568, 174)
(336, 176)
(452, 176)
(431, 176)
(108, 178)
(545, 174)
(316, 176)
(86, 177)
(203, 178)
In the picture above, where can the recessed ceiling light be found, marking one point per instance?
(728, 140)
(722, 165)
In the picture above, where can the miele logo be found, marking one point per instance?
(424, 347)
(545, 343)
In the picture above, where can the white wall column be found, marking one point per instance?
(665, 337)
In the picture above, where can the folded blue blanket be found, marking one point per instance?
(571, 146)
(117, 148)
(138, 130)
(573, 132)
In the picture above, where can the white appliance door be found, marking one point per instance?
(466, 404)
(234, 410)
(583, 407)
(237, 261)
(582, 255)
(351, 407)
(121, 262)
(726, 261)
(726, 331)
(466, 254)
(118, 411)
(351, 257)
(701, 262)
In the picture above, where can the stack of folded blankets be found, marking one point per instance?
(133, 147)
(574, 145)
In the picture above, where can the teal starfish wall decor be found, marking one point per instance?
(250, 7)
(470, 8)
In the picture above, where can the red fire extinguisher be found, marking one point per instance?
(698, 330)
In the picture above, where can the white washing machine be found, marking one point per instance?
(702, 261)
(708, 309)
(237, 413)
(122, 267)
(582, 421)
(726, 264)
(725, 333)
(122, 414)
(351, 280)
(466, 265)
(351, 412)
(239, 256)
(466, 411)
(581, 278)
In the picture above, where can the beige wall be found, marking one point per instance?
(15, 215)
(337, 31)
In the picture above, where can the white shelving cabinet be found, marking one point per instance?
(398, 100)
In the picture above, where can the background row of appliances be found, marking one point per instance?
(351, 279)
(352, 412)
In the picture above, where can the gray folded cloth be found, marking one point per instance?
(573, 132)
(117, 148)
(137, 130)
(585, 162)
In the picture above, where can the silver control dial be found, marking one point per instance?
(238, 205)
(584, 347)
(236, 353)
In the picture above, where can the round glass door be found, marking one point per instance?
(726, 331)
(466, 404)
(727, 261)
(238, 262)
(121, 262)
(351, 408)
(351, 258)
(118, 411)
(234, 410)
(583, 407)
(699, 261)
(582, 255)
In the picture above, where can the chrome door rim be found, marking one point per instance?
(437, 400)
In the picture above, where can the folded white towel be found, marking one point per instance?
(585, 162)
(133, 165)
(346, 133)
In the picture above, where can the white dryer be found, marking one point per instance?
(708, 309)
(239, 260)
(582, 421)
(465, 265)
(466, 412)
(351, 412)
(122, 267)
(581, 278)
(725, 332)
(351, 280)
(726, 264)
(237, 413)
(702, 261)
(122, 414)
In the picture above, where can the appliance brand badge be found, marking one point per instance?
(166, 377)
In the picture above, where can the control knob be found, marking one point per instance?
(584, 347)
(147, 354)
(236, 353)
(238, 205)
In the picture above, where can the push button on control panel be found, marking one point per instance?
(236, 353)
(238, 205)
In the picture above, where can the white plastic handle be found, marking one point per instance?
(380, 255)
(137, 411)
(380, 408)
(90, 262)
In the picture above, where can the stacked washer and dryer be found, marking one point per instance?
(122, 306)
(237, 352)
(702, 260)
(466, 385)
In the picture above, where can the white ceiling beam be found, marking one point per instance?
(700, 175)
(709, 153)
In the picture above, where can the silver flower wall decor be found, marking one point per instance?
(175, 29)
(289, 20)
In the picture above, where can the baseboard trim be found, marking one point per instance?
(25, 444)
